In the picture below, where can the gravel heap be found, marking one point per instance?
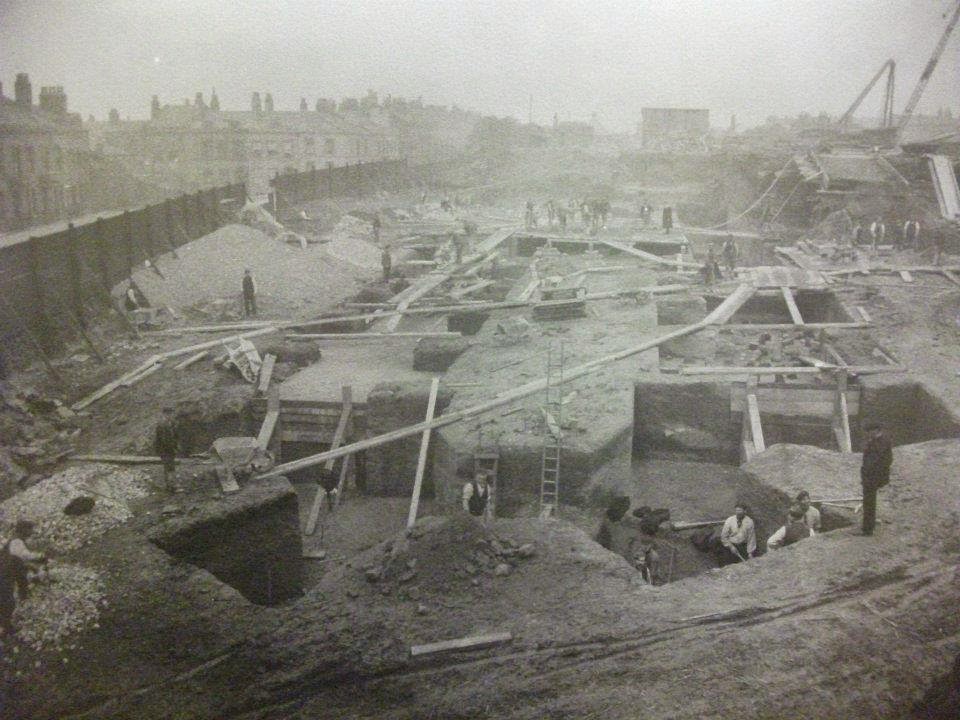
(64, 604)
(44, 502)
(204, 279)
(349, 241)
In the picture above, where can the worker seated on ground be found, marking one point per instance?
(795, 529)
(738, 537)
(811, 516)
(610, 533)
(646, 559)
(476, 496)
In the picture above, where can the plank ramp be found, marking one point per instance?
(725, 310)
(643, 255)
(791, 305)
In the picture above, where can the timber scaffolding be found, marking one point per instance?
(720, 315)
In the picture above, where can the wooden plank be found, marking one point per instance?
(341, 431)
(483, 251)
(422, 458)
(267, 428)
(799, 370)
(864, 314)
(266, 373)
(111, 386)
(134, 379)
(369, 336)
(734, 301)
(791, 305)
(949, 275)
(843, 415)
(463, 292)
(791, 326)
(191, 360)
(338, 436)
(643, 255)
(756, 429)
(226, 327)
(117, 459)
(474, 642)
(823, 409)
(906, 276)
(691, 525)
(344, 471)
(304, 436)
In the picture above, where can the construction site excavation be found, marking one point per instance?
(377, 409)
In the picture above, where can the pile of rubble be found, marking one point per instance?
(439, 556)
(110, 488)
(35, 434)
(62, 604)
(350, 241)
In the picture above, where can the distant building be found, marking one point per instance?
(674, 128)
(186, 147)
(42, 176)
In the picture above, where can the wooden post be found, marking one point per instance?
(76, 290)
(841, 423)
(104, 254)
(422, 459)
(338, 438)
(792, 305)
(753, 409)
(129, 242)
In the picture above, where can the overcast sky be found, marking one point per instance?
(750, 57)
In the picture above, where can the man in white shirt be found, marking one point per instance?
(476, 496)
(793, 531)
(811, 516)
(738, 537)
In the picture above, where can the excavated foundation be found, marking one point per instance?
(249, 539)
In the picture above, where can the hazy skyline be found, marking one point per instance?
(750, 57)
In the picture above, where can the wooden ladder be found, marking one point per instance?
(552, 436)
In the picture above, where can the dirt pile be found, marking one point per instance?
(35, 433)
(203, 280)
(65, 602)
(44, 503)
(440, 557)
(349, 241)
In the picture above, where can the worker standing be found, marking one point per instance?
(376, 228)
(911, 234)
(738, 537)
(874, 473)
(476, 496)
(166, 444)
(386, 262)
(13, 576)
(877, 232)
(667, 219)
(730, 254)
(249, 294)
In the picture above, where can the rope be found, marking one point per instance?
(776, 179)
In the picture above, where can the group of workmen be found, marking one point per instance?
(592, 213)
(710, 271)
(635, 536)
